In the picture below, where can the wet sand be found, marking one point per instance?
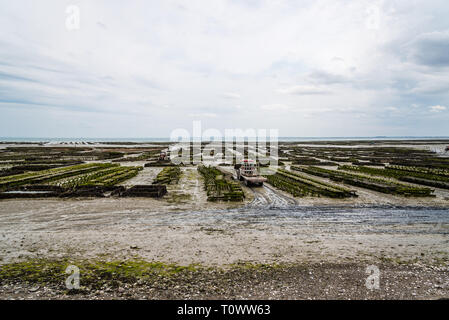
(189, 229)
(323, 235)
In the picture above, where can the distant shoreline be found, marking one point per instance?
(166, 139)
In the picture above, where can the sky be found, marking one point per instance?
(144, 68)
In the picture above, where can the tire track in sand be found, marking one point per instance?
(267, 197)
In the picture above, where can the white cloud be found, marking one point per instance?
(203, 115)
(275, 107)
(231, 95)
(431, 49)
(437, 108)
(261, 55)
(303, 90)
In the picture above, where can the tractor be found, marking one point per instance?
(248, 172)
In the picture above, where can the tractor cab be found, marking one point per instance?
(163, 156)
(249, 168)
(248, 171)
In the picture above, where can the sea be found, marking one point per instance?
(167, 139)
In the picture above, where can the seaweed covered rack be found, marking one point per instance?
(84, 180)
(218, 187)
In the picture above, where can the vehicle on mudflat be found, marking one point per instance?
(248, 172)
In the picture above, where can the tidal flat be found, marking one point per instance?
(278, 242)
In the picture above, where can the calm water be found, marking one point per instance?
(166, 139)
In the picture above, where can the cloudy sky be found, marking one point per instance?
(144, 68)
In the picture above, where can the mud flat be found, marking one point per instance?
(272, 245)
(146, 176)
(268, 231)
(372, 198)
(278, 253)
(269, 248)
